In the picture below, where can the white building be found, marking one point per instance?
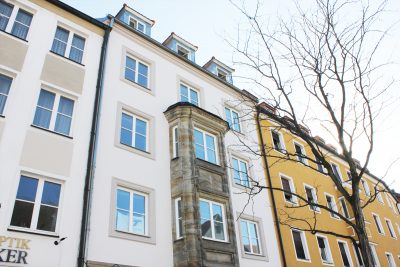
(49, 61)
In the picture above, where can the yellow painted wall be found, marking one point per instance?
(302, 175)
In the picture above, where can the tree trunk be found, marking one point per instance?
(361, 232)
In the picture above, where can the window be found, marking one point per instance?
(19, 19)
(212, 220)
(178, 218)
(324, 249)
(398, 228)
(375, 259)
(131, 212)
(222, 74)
(182, 51)
(205, 146)
(391, 229)
(379, 195)
(349, 177)
(390, 259)
(320, 167)
(300, 245)
(240, 173)
(366, 188)
(345, 211)
(301, 155)
(68, 44)
(250, 237)
(175, 142)
(134, 131)
(137, 71)
(136, 25)
(278, 141)
(189, 94)
(344, 252)
(336, 172)
(332, 205)
(378, 224)
(5, 84)
(60, 120)
(36, 205)
(358, 255)
(232, 117)
(288, 187)
(312, 197)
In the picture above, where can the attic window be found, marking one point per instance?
(222, 74)
(182, 51)
(136, 25)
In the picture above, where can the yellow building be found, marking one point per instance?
(305, 178)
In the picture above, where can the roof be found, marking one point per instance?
(219, 63)
(181, 40)
(137, 14)
(327, 147)
(79, 14)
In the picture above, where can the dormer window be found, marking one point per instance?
(182, 51)
(137, 25)
(221, 74)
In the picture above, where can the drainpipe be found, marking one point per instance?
(271, 191)
(91, 162)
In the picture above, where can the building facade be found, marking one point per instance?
(49, 61)
(297, 174)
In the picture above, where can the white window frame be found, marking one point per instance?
(355, 248)
(379, 196)
(204, 133)
(374, 254)
(137, 22)
(302, 160)
(37, 204)
(223, 73)
(248, 222)
(54, 111)
(282, 150)
(334, 208)
(175, 142)
(333, 165)
(347, 251)
(292, 189)
(390, 227)
(71, 34)
(315, 197)
(137, 60)
(240, 171)
(398, 228)
(231, 111)
(184, 49)
(177, 228)
(12, 77)
(224, 222)
(303, 243)
(390, 258)
(365, 185)
(330, 260)
(343, 205)
(190, 88)
(13, 16)
(134, 117)
(378, 224)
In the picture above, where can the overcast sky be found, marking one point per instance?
(206, 23)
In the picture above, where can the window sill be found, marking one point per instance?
(304, 260)
(133, 237)
(16, 37)
(139, 86)
(50, 131)
(328, 263)
(73, 61)
(2, 116)
(33, 232)
(134, 150)
(215, 240)
(251, 256)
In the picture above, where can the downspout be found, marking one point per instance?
(91, 162)
(271, 191)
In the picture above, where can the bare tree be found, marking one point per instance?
(318, 68)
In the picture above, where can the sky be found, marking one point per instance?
(209, 23)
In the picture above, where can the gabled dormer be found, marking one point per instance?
(181, 46)
(135, 20)
(219, 69)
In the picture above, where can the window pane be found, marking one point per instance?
(253, 231)
(21, 24)
(140, 27)
(299, 245)
(219, 230)
(60, 41)
(47, 218)
(342, 249)
(184, 93)
(138, 203)
(127, 121)
(27, 188)
(199, 141)
(131, 63)
(140, 142)
(141, 126)
(143, 75)
(140, 136)
(235, 119)
(138, 224)
(122, 199)
(5, 84)
(123, 220)
(194, 99)
(130, 74)
(63, 120)
(22, 214)
(229, 117)
(205, 219)
(211, 156)
(5, 13)
(217, 212)
(44, 109)
(77, 47)
(236, 173)
(243, 173)
(51, 194)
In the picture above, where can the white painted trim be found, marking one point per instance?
(346, 248)
(304, 244)
(331, 262)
